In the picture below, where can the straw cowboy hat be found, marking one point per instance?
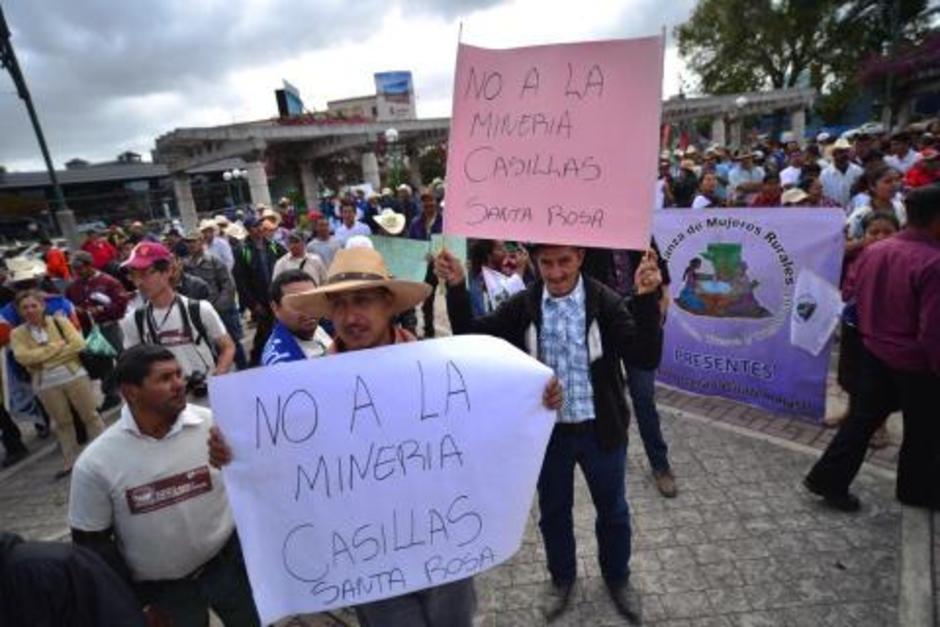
(235, 230)
(392, 222)
(358, 269)
(25, 269)
(793, 196)
(842, 144)
(205, 225)
(271, 214)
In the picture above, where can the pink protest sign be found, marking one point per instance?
(556, 144)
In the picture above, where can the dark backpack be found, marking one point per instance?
(192, 319)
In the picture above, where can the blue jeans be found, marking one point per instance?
(605, 472)
(642, 386)
(232, 320)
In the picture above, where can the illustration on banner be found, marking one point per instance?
(725, 292)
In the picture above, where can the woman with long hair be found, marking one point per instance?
(882, 184)
(48, 347)
(707, 196)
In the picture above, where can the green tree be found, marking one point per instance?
(749, 45)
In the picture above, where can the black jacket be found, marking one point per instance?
(628, 331)
(50, 584)
(253, 274)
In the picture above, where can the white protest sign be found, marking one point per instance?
(374, 473)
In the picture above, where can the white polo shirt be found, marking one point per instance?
(168, 507)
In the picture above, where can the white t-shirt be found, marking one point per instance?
(317, 345)
(309, 263)
(905, 163)
(837, 185)
(790, 176)
(702, 202)
(168, 507)
(169, 329)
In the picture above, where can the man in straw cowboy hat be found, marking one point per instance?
(362, 300)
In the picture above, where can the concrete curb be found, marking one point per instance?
(916, 603)
(878, 471)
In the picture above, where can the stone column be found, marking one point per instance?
(308, 179)
(370, 170)
(735, 134)
(258, 183)
(718, 131)
(184, 200)
(798, 124)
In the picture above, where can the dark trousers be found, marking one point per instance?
(263, 328)
(881, 391)
(448, 605)
(9, 433)
(222, 584)
(232, 320)
(642, 386)
(605, 472)
(111, 332)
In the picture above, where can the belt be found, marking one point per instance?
(228, 546)
(574, 428)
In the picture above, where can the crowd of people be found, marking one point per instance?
(154, 315)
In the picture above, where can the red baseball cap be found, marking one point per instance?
(145, 254)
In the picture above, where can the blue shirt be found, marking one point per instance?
(563, 345)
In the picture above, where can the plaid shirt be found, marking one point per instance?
(564, 349)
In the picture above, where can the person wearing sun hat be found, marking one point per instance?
(362, 300)
(389, 222)
(839, 177)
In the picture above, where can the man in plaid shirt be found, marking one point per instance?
(583, 330)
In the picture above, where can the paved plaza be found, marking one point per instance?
(743, 544)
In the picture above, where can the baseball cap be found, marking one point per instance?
(145, 254)
(82, 257)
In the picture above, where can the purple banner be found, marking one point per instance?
(733, 277)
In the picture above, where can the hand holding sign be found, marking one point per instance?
(448, 268)
(648, 277)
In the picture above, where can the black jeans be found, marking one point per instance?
(9, 433)
(222, 584)
(880, 392)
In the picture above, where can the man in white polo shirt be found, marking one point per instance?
(144, 496)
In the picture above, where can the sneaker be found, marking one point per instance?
(666, 483)
(846, 502)
(14, 458)
(42, 431)
(561, 599)
(619, 594)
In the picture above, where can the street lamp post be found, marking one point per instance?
(391, 137)
(235, 175)
(62, 215)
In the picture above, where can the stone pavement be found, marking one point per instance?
(743, 544)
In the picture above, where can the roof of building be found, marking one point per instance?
(106, 172)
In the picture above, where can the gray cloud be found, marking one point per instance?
(81, 57)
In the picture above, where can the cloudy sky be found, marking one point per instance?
(111, 76)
